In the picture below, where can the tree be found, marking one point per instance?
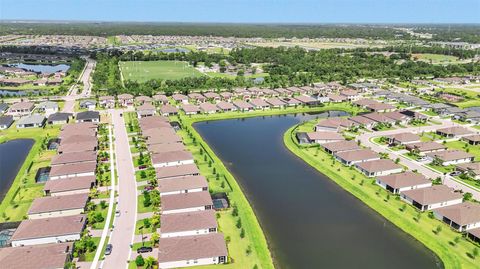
(475, 252)
(155, 237)
(438, 230)
(242, 233)
(239, 223)
(150, 262)
(146, 223)
(139, 261)
(103, 204)
(235, 211)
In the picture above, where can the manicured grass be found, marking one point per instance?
(372, 195)
(141, 208)
(139, 224)
(435, 58)
(429, 113)
(142, 71)
(90, 255)
(464, 146)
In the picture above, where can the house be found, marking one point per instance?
(336, 98)
(31, 121)
(333, 124)
(356, 156)
(74, 157)
(142, 99)
(379, 118)
(242, 105)
(282, 92)
(189, 223)
(44, 256)
(225, 106)
(472, 139)
(168, 110)
(160, 148)
(107, 101)
(403, 139)
(160, 99)
(21, 109)
(335, 147)
(351, 95)
(382, 167)
(180, 185)
(197, 97)
(398, 117)
(186, 202)
(153, 122)
(449, 157)
(88, 116)
(259, 103)
(125, 100)
(324, 137)
(146, 110)
(69, 186)
(461, 217)
(307, 100)
(208, 108)
(77, 147)
(58, 206)
(172, 158)
(212, 96)
(180, 98)
(59, 118)
(470, 169)
(474, 234)
(397, 183)
(433, 197)
(177, 171)
(291, 101)
(48, 230)
(226, 96)
(3, 108)
(190, 109)
(423, 148)
(6, 121)
(47, 107)
(195, 250)
(88, 104)
(73, 170)
(363, 121)
(275, 102)
(454, 132)
(380, 107)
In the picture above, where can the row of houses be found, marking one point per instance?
(189, 231)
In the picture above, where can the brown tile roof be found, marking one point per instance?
(475, 232)
(258, 102)
(242, 104)
(405, 179)
(450, 155)
(365, 102)
(77, 147)
(160, 98)
(379, 117)
(182, 183)
(176, 171)
(472, 138)
(73, 168)
(125, 96)
(379, 165)
(380, 106)
(455, 130)
(433, 195)
(275, 101)
(189, 108)
(74, 157)
(225, 105)
(349, 92)
(159, 148)
(362, 120)
(191, 247)
(171, 156)
(22, 106)
(211, 95)
(186, 200)
(78, 139)
(357, 155)
(179, 97)
(189, 221)
(324, 136)
(462, 214)
(335, 123)
(168, 109)
(49, 227)
(405, 137)
(305, 99)
(341, 146)
(45, 256)
(425, 146)
(69, 184)
(207, 107)
(336, 97)
(165, 139)
(58, 203)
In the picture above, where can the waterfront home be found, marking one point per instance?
(275, 102)
(282, 92)
(226, 96)
(449, 157)
(397, 183)
(336, 98)
(335, 147)
(20, 109)
(461, 217)
(291, 101)
(356, 156)
(160, 99)
(77, 147)
(403, 139)
(79, 138)
(146, 110)
(59, 118)
(180, 185)
(88, 104)
(363, 122)
(423, 148)
(474, 234)
(44, 256)
(208, 108)
(6, 121)
(188, 224)
(88, 116)
(363, 103)
(58, 206)
(190, 109)
(212, 96)
(226, 106)
(160, 148)
(142, 99)
(333, 124)
(47, 107)
(153, 122)
(74, 157)
(259, 103)
(307, 100)
(186, 202)
(433, 197)
(454, 132)
(351, 95)
(172, 158)
(180, 98)
(242, 105)
(73, 170)
(176, 171)
(472, 139)
(197, 97)
(184, 251)
(382, 167)
(107, 101)
(69, 186)
(31, 121)
(323, 137)
(48, 230)
(168, 110)
(125, 100)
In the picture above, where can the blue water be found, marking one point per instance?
(42, 68)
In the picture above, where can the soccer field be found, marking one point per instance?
(142, 71)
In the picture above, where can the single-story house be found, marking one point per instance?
(172, 158)
(380, 118)
(58, 206)
(333, 124)
(48, 230)
(160, 98)
(180, 98)
(212, 96)
(454, 132)
(336, 98)
(472, 139)
(146, 110)
(471, 169)
(356, 156)
(74, 157)
(160, 148)
(195, 250)
(189, 223)
(275, 102)
(69, 186)
(448, 157)
(73, 170)
(425, 147)
(208, 108)
(242, 105)
(107, 101)
(168, 110)
(177, 171)
(226, 96)
(259, 103)
(226, 106)
(403, 139)
(6, 121)
(336, 147)
(142, 99)
(31, 121)
(125, 100)
(88, 116)
(433, 197)
(307, 100)
(180, 185)
(77, 146)
(474, 234)
(351, 95)
(197, 97)
(363, 121)
(397, 183)
(186, 202)
(382, 167)
(44, 256)
(324, 137)
(190, 109)
(462, 217)
(88, 104)
(290, 101)
(47, 107)
(21, 109)
(59, 118)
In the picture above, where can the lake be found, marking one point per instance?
(12, 156)
(309, 221)
(42, 68)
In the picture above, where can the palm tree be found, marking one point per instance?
(150, 262)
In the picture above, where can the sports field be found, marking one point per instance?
(435, 58)
(142, 71)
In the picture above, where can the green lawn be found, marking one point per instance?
(141, 208)
(142, 71)
(435, 58)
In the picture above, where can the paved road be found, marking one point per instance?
(123, 233)
(365, 139)
(72, 96)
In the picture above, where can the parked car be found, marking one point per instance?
(455, 173)
(149, 188)
(422, 159)
(117, 213)
(108, 249)
(144, 249)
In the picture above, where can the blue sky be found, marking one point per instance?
(282, 11)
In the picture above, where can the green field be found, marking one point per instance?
(435, 58)
(142, 71)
